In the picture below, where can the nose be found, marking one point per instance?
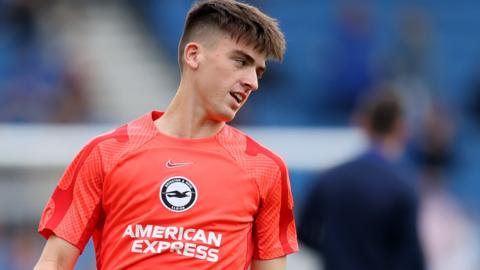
(250, 80)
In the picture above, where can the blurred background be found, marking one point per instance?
(70, 70)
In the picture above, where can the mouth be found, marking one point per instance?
(239, 97)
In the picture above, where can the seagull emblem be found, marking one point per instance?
(177, 194)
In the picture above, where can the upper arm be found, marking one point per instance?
(273, 264)
(409, 251)
(401, 227)
(57, 254)
(274, 226)
(74, 208)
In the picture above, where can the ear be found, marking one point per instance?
(192, 55)
(402, 131)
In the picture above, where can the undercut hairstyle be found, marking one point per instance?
(241, 21)
(383, 110)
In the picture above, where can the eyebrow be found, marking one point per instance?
(250, 61)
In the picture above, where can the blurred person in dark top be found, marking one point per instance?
(433, 149)
(473, 98)
(448, 231)
(476, 105)
(363, 214)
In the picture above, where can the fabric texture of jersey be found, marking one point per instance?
(150, 200)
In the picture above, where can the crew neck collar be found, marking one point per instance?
(155, 115)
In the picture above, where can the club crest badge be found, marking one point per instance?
(178, 194)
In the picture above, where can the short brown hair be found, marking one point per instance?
(243, 22)
(382, 109)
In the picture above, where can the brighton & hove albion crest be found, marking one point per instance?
(178, 194)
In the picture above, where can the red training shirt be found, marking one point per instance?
(152, 200)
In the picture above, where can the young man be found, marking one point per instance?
(182, 189)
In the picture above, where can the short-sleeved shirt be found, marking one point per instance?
(151, 200)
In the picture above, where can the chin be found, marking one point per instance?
(225, 116)
(228, 118)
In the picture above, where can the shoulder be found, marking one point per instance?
(113, 145)
(346, 169)
(361, 171)
(245, 147)
(260, 163)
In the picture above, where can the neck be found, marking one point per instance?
(390, 148)
(184, 118)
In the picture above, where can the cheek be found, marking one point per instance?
(217, 81)
(214, 90)
(221, 73)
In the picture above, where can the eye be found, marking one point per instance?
(241, 61)
(260, 73)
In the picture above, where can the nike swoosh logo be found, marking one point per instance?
(169, 164)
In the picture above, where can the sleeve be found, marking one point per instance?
(274, 226)
(74, 208)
